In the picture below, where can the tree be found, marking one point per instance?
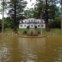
(16, 11)
(47, 10)
(0, 25)
(61, 14)
(29, 13)
(2, 11)
(3, 3)
(8, 22)
(56, 23)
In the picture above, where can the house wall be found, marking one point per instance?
(32, 23)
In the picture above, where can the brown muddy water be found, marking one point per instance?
(16, 49)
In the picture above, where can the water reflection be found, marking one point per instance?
(4, 50)
(16, 49)
(30, 47)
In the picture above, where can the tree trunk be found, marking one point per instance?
(46, 17)
(47, 25)
(14, 21)
(3, 18)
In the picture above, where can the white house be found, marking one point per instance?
(32, 23)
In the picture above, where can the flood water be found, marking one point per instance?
(16, 49)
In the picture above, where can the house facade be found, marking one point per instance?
(32, 23)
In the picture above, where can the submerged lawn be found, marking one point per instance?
(43, 31)
(54, 32)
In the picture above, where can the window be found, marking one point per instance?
(42, 25)
(38, 25)
(21, 25)
(31, 25)
(29, 20)
(25, 25)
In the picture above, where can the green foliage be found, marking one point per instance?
(25, 32)
(17, 8)
(7, 22)
(3, 6)
(47, 10)
(52, 9)
(29, 13)
(56, 23)
(0, 25)
(16, 12)
(39, 12)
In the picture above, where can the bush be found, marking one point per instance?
(39, 32)
(25, 32)
(55, 23)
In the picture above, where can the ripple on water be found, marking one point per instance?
(4, 54)
(47, 49)
(29, 58)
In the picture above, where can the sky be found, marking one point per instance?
(29, 5)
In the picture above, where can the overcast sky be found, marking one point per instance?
(29, 5)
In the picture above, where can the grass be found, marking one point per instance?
(57, 31)
(22, 30)
(51, 32)
(8, 30)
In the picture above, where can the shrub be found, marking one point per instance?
(25, 32)
(55, 23)
(39, 32)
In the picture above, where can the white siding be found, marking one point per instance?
(26, 22)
